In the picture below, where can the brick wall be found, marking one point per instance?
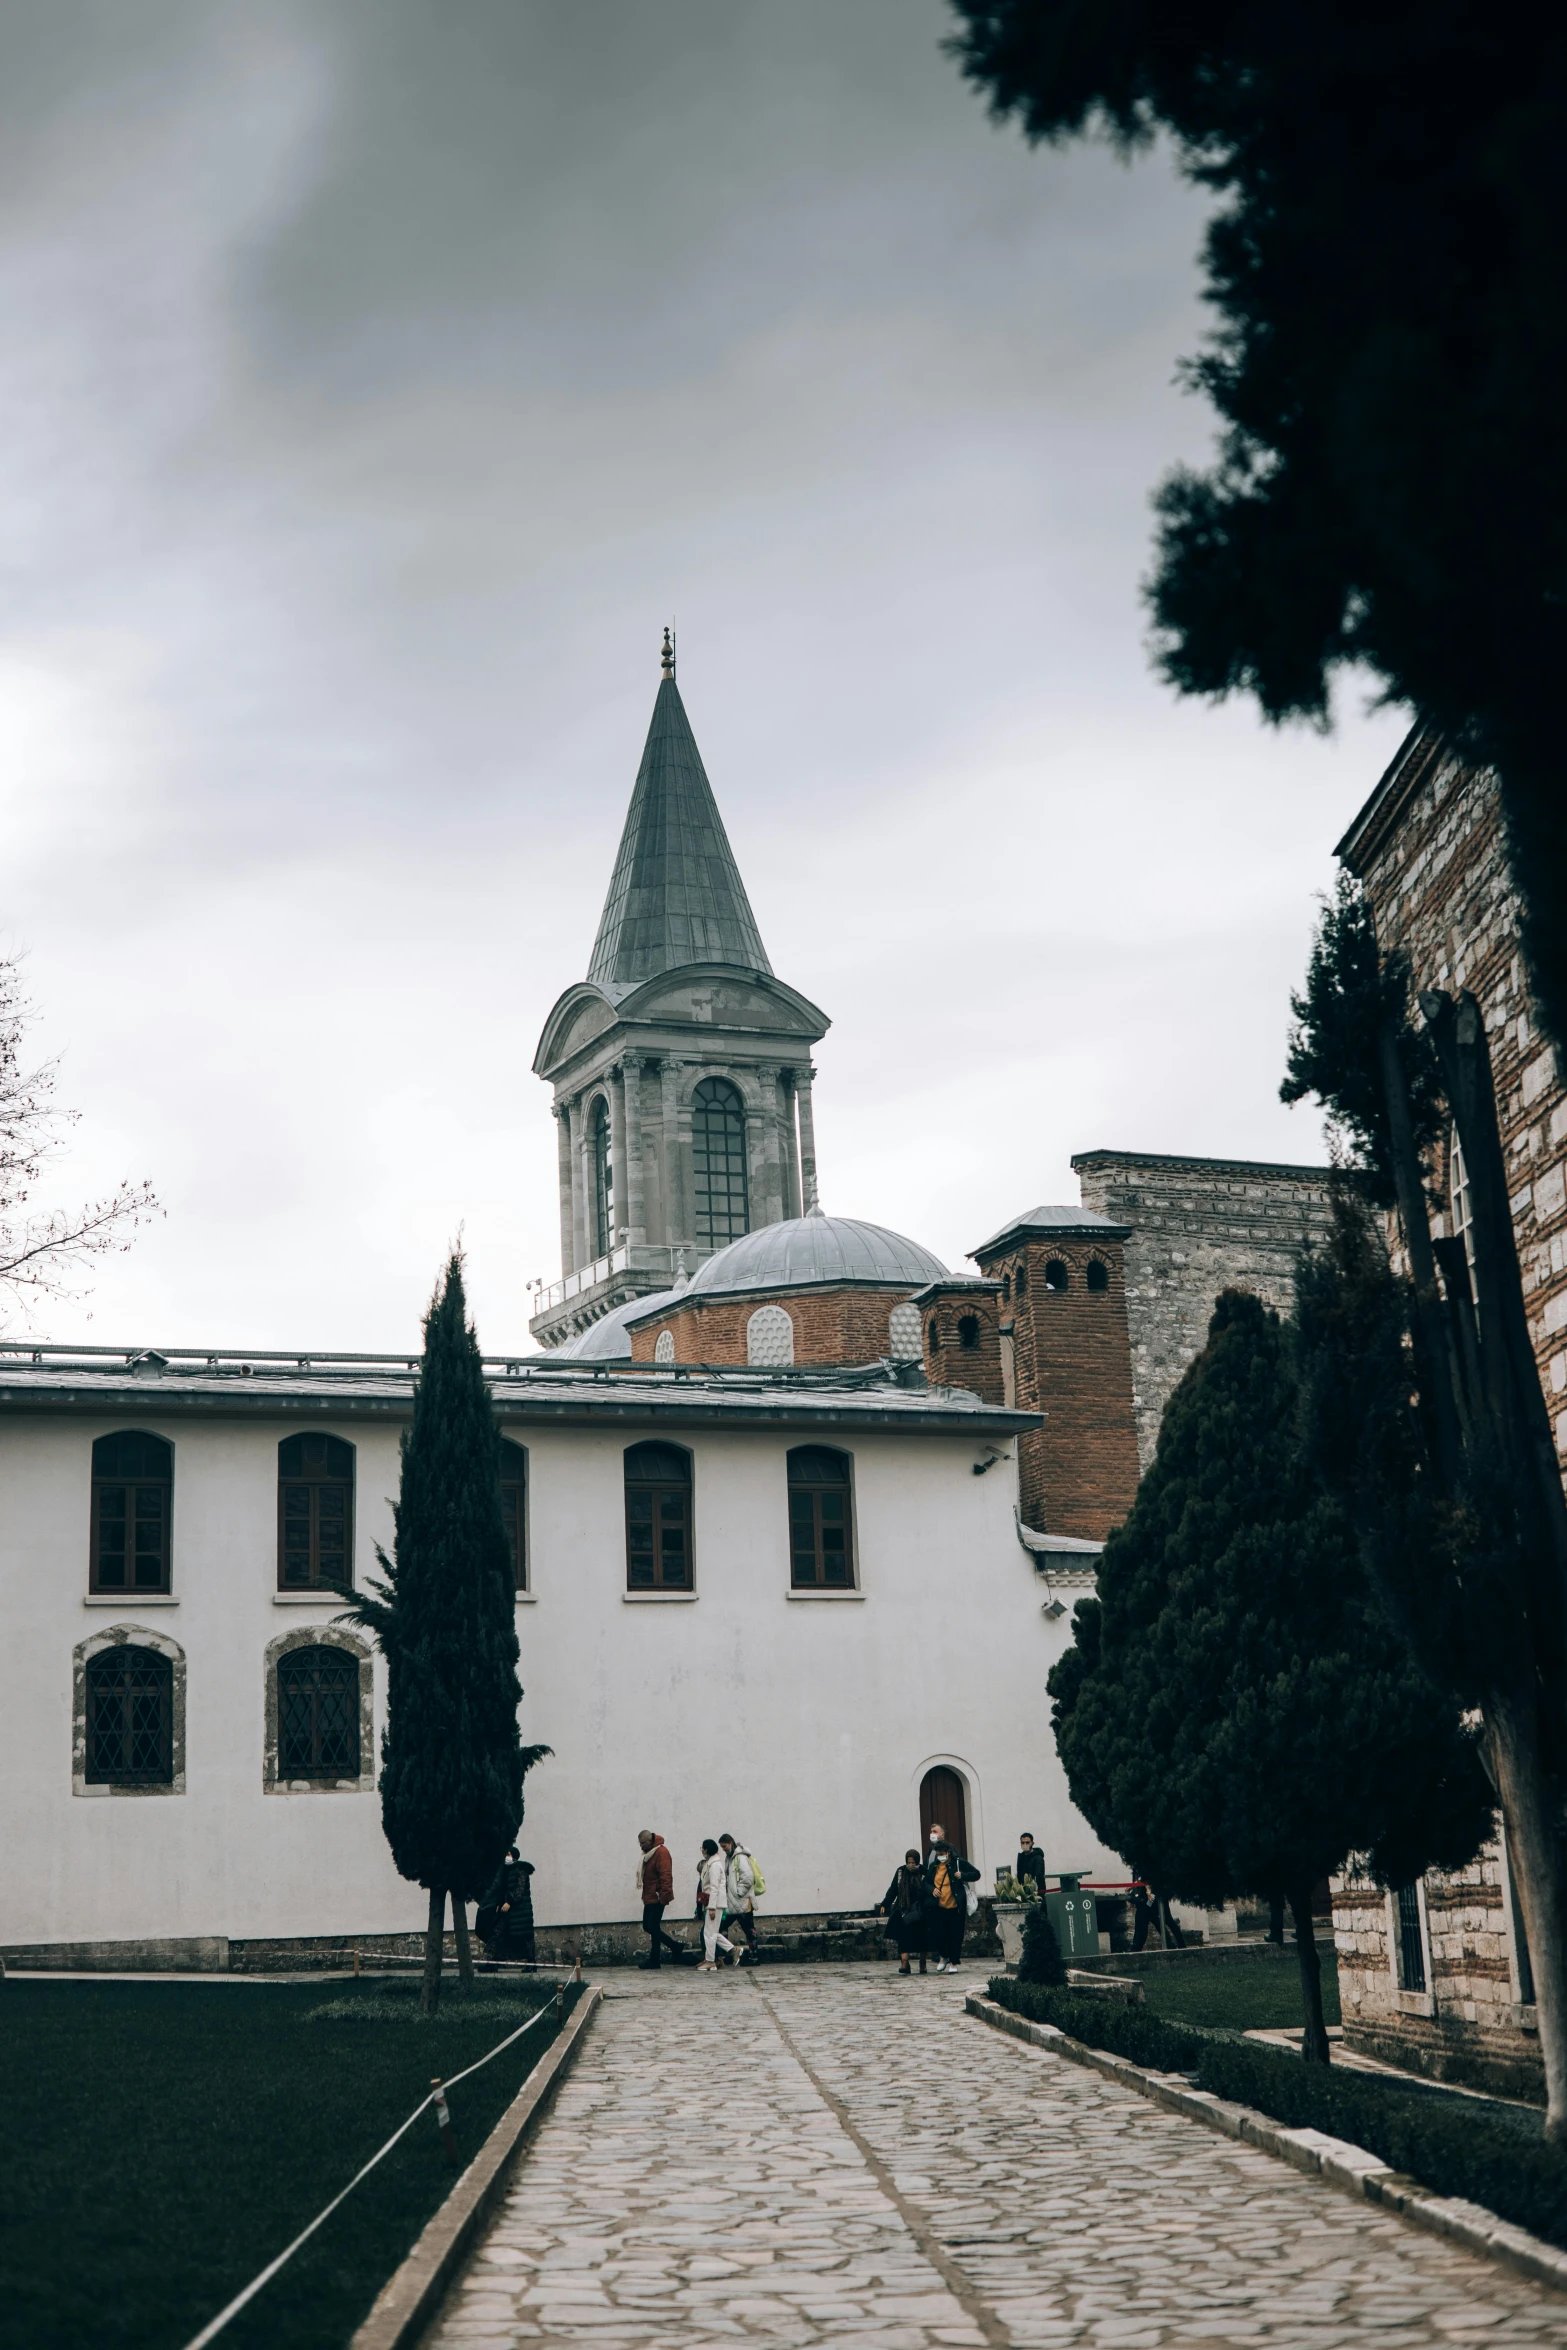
(832, 1325)
(1071, 1360)
(1198, 1226)
(952, 1312)
(1434, 862)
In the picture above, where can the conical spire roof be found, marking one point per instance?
(675, 895)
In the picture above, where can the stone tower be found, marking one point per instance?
(681, 1066)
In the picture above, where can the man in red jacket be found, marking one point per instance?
(657, 1878)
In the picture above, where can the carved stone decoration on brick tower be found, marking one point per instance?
(1061, 1315)
(681, 1065)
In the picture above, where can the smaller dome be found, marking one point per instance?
(807, 1249)
(608, 1340)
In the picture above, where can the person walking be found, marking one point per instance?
(712, 1882)
(946, 1878)
(903, 1907)
(656, 1882)
(510, 1902)
(1030, 1868)
(739, 1895)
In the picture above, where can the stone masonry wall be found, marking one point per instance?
(1198, 1226)
(1470, 2024)
(1438, 879)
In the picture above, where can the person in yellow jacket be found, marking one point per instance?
(947, 1878)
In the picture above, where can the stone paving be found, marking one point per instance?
(834, 2155)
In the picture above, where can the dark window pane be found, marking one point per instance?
(318, 1714)
(130, 1718)
(718, 1163)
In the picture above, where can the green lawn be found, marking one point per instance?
(1237, 1995)
(164, 2140)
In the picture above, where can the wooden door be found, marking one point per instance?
(942, 1804)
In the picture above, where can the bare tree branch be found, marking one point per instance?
(47, 1252)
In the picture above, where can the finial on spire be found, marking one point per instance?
(668, 654)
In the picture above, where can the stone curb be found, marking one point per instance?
(1350, 2168)
(407, 2301)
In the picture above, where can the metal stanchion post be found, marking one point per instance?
(444, 2120)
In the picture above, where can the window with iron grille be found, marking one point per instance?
(132, 1498)
(658, 1518)
(718, 1163)
(821, 1548)
(318, 1714)
(130, 1718)
(514, 1508)
(315, 1513)
(603, 1204)
(1411, 1939)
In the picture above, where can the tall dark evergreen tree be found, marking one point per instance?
(1386, 267)
(1238, 1713)
(1457, 1499)
(452, 1764)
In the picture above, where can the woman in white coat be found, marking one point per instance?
(712, 1882)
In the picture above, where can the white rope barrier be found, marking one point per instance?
(211, 2330)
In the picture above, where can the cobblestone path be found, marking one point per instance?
(830, 2154)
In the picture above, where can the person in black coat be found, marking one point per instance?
(903, 1907)
(510, 1902)
(1030, 1868)
(945, 1880)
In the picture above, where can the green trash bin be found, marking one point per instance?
(1073, 1916)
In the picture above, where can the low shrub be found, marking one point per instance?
(1041, 1961)
(1126, 2031)
(1453, 2145)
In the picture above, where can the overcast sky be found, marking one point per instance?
(375, 380)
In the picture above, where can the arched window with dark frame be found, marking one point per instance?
(968, 1331)
(1097, 1277)
(821, 1542)
(318, 1714)
(1057, 1278)
(603, 1203)
(658, 1518)
(130, 1718)
(514, 1508)
(718, 1163)
(132, 1504)
(315, 1513)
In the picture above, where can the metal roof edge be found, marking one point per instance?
(1395, 788)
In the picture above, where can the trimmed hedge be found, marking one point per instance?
(1451, 2144)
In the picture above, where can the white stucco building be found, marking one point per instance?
(787, 1596)
(158, 1791)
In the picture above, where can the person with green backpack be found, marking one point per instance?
(742, 1883)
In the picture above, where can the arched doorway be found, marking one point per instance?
(943, 1802)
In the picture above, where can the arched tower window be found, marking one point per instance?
(603, 1181)
(718, 1163)
(769, 1337)
(1098, 1275)
(664, 1347)
(1057, 1278)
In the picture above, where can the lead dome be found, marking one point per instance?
(805, 1250)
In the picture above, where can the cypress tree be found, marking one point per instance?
(1238, 1710)
(452, 1765)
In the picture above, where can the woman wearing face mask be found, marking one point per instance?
(946, 1879)
(903, 1907)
